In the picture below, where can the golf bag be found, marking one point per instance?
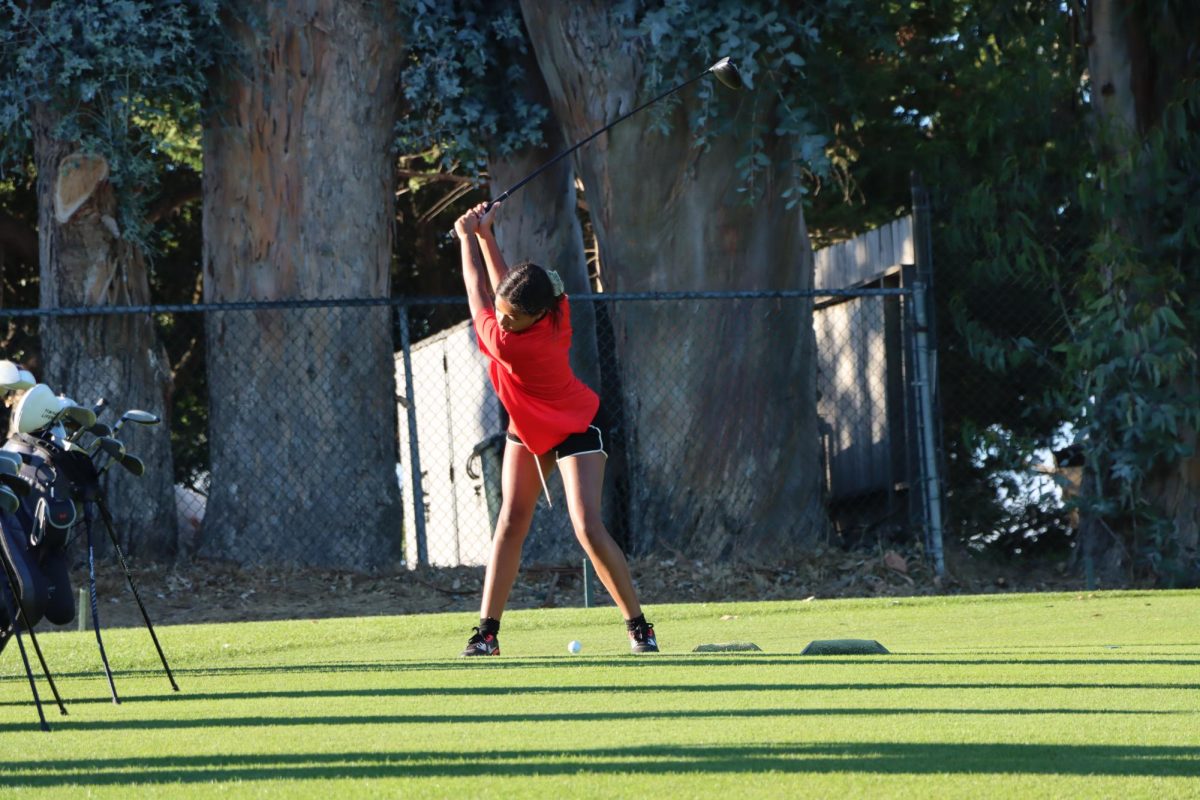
(49, 484)
(34, 538)
(39, 574)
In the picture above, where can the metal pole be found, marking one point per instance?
(924, 378)
(414, 453)
(112, 536)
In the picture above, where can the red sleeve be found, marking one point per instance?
(487, 331)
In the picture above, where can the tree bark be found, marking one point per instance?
(1135, 63)
(298, 204)
(85, 261)
(719, 396)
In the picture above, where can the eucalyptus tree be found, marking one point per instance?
(1134, 354)
(673, 213)
(90, 86)
(298, 198)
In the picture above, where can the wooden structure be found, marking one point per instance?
(862, 391)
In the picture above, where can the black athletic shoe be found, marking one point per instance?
(482, 644)
(641, 639)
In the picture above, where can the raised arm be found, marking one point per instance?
(492, 256)
(479, 289)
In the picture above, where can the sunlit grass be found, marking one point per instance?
(1019, 696)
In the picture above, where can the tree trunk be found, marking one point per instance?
(298, 204)
(1135, 63)
(719, 396)
(85, 261)
(539, 224)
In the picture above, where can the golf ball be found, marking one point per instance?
(574, 647)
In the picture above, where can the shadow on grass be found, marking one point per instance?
(606, 689)
(575, 716)
(848, 757)
(633, 662)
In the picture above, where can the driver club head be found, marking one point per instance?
(725, 71)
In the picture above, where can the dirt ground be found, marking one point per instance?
(200, 591)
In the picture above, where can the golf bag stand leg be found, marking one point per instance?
(37, 700)
(15, 623)
(87, 527)
(112, 536)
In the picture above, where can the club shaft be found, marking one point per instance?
(504, 195)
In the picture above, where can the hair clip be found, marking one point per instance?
(555, 282)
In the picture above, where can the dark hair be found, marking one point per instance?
(529, 289)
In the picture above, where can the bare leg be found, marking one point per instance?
(583, 479)
(520, 486)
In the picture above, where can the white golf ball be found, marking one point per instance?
(574, 646)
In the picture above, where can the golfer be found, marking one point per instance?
(523, 323)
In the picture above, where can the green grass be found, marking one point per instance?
(1059, 695)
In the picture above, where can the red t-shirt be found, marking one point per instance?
(531, 373)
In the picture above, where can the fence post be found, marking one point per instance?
(414, 454)
(924, 374)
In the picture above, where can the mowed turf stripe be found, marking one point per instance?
(368, 711)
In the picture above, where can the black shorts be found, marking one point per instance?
(577, 444)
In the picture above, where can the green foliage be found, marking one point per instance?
(982, 101)
(468, 60)
(1133, 360)
(770, 46)
(122, 78)
(465, 67)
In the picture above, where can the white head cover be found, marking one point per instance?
(556, 282)
(13, 378)
(36, 409)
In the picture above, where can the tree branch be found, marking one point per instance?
(447, 177)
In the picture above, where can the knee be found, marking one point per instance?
(589, 530)
(513, 522)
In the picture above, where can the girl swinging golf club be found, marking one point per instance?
(523, 323)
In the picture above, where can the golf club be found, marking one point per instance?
(132, 464)
(113, 448)
(137, 416)
(97, 430)
(724, 71)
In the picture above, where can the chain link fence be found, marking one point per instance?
(365, 434)
(1011, 465)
